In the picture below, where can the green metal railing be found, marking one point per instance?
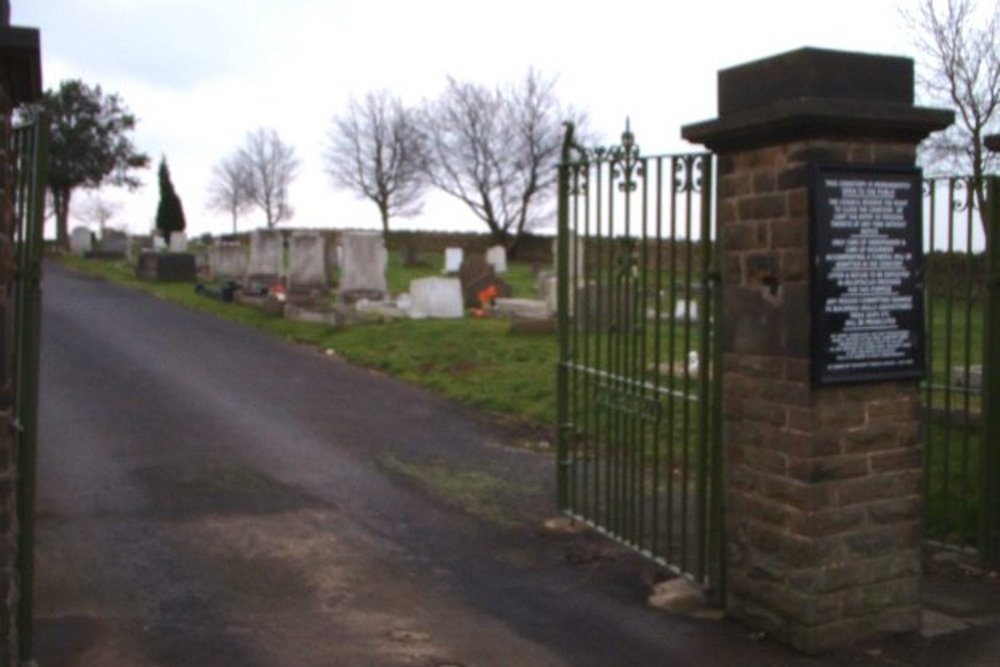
(639, 446)
(961, 431)
(26, 183)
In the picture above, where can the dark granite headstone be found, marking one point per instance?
(477, 275)
(167, 267)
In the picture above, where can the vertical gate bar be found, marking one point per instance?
(625, 349)
(579, 454)
(614, 356)
(931, 338)
(658, 372)
(562, 377)
(640, 353)
(704, 400)
(602, 482)
(635, 323)
(686, 404)
(675, 166)
(948, 318)
(990, 457)
(717, 580)
(34, 162)
(963, 526)
(571, 356)
(580, 311)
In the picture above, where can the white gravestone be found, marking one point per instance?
(436, 297)
(80, 241)
(178, 242)
(227, 261)
(686, 311)
(266, 252)
(453, 259)
(529, 309)
(363, 261)
(497, 257)
(577, 257)
(307, 261)
(159, 245)
(576, 270)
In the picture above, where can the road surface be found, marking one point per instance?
(213, 496)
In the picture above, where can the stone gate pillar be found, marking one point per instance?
(823, 481)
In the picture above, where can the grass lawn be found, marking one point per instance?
(475, 361)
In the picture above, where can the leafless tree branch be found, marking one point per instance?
(271, 166)
(375, 149)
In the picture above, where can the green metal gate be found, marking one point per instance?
(961, 393)
(639, 446)
(23, 192)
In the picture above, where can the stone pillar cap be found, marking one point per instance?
(20, 64)
(817, 93)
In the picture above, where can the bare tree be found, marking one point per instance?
(271, 166)
(98, 211)
(496, 150)
(375, 149)
(961, 68)
(229, 191)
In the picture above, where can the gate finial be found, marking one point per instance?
(628, 139)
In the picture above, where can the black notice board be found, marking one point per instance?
(867, 280)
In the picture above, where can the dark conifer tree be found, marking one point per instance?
(170, 213)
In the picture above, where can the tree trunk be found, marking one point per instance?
(384, 213)
(60, 202)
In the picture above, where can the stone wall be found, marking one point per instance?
(823, 485)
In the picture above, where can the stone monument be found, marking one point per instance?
(307, 262)
(363, 262)
(266, 254)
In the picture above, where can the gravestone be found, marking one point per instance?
(604, 308)
(453, 258)
(227, 261)
(412, 257)
(477, 275)
(113, 244)
(136, 245)
(307, 261)
(166, 267)
(577, 259)
(547, 281)
(81, 241)
(363, 262)
(436, 297)
(548, 288)
(178, 242)
(333, 252)
(159, 245)
(264, 265)
(685, 310)
(534, 309)
(497, 257)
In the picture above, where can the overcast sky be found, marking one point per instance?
(199, 74)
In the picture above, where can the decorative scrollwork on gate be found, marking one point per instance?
(688, 175)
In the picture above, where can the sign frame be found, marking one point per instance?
(874, 341)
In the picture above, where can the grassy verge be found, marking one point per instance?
(475, 361)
